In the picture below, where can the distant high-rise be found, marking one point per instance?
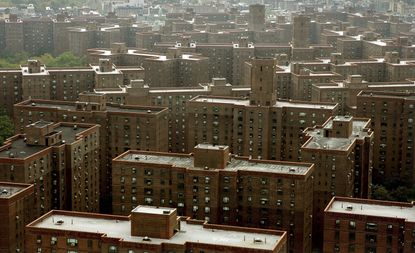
(301, 31)
(256, 17)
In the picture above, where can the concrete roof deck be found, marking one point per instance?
(319, 141)
(8, 190)
(279, 103)
(235, 163)
(373, 208)
(114, 227)
(71, 106)
(20, 150)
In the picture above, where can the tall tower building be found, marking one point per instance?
(301, 31)
(256, 17)
(262, 82)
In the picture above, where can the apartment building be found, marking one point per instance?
(36, 81)
(14, 37)
(122, 127)
(302, 80)
(61, 160)
(256, 20)
(261, 126)
(392, 116)
(61, 24)
(149, 229)
(231, 56)
(345, 92)
(341, 150)
(213, 185)
(301, 31)
(176, 69)
(174, 98)
(38, 35)
(363, 225)
(94, 35)
(16, 203)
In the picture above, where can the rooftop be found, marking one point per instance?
(235, 163)
(43, 71)
(372, 208)
(319, 141)
(402, 95)
(71, 106)
(153, 210)
(19, 149)
(279, 103)
(113, 70)
(8, 190)
(114, 227)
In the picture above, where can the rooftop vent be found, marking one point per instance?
(349, 208)
(257, 240)
(59, 222)
(146, 239)
(291, 170)
(166, 212)
(4, 192)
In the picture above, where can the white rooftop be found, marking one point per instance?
(153, 210)
(235, 164)
(380, 210)
(111, 227)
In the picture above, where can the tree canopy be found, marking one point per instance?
(6, 128)
(66, 59)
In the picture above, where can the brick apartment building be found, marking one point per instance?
(341, 150)
(36, 81)
(175, 99)
(61, 160)
(149, 229)
(221, 188)
(122, 127)
(261, 126)
(363, 225)
(392, 120)
(172, 69)
(56, 35)
(345, 92)
(16, 203)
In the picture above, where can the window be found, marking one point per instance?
(53, 240)
(352, 236)
(352, 224)
(337, 223)
(371, 227)
(112, 249)
(72, 242)
(371, 238)
(225, 200)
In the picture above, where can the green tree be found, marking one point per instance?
(66, 59)
(6, 128)
(380, 192)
